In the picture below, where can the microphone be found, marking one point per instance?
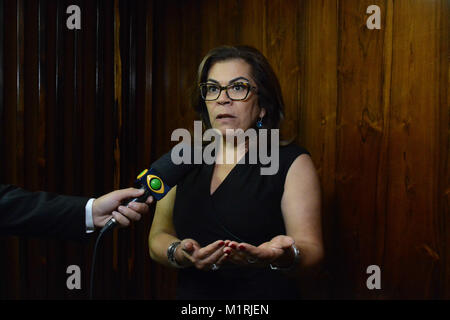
(157, 181)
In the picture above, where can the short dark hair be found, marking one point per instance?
(269, 90)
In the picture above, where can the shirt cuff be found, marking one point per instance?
(89, 220)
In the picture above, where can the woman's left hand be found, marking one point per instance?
(276, 251)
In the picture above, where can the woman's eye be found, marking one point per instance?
(212, 89)
(239, 87)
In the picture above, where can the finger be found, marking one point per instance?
(121, 220)
(189, 245)
(213, 258)
(282, 241)
(149, 200)
(233, 244)
(258, 256)
(227, 251)
(131, 192)
(235, 256)
(188, 256)
(287, 241)
(222, 259)
(248, 249)
(190, 250)
(245, 249)
(230, 254)
(129, 213)
(208, 250)
(141, 208)
(291, 241)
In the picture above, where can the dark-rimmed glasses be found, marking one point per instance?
(235, 91)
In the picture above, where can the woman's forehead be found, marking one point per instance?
(224, 71)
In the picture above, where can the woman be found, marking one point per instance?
(234, 233)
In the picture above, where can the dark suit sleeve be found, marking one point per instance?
(41, 214)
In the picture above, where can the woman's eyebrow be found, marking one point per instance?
(212, 80)
(231, 81)
(238, 78)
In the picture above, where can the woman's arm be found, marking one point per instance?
(301, 208)
(162, 232)
(189, 253)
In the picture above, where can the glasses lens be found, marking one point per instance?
(209, 91)
(238, 91)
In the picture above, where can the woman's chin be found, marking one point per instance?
(222, 128)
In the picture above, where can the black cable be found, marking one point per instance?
(94, 255)
(111, 224)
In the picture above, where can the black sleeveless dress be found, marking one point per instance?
(246, 207)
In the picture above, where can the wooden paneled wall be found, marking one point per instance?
(82, 112)
(76, 119)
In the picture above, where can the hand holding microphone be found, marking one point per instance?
(152, 184)
(112, 203)
(156, 181)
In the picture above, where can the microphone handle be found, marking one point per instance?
(112, 223)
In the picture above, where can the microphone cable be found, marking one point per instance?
(156, 181)
(94, 255)
(109, 226)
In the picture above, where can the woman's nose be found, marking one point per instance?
(223, 97)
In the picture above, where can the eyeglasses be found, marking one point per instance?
(235, 91)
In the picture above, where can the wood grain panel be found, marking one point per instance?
(413, 244)
(282, 18)
(146, 101)
(34, 135)
(53, 138)
(443, 223)
(359, 132)
(190, 57)
(165, 99)
(317, 115)
(253, 22)
(82, 112)
(13, 135)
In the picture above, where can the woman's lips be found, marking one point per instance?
(223, 116)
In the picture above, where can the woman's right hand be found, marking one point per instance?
(207, 258)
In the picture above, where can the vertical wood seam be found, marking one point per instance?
(387, 98)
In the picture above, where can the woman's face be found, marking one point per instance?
(225, 113)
